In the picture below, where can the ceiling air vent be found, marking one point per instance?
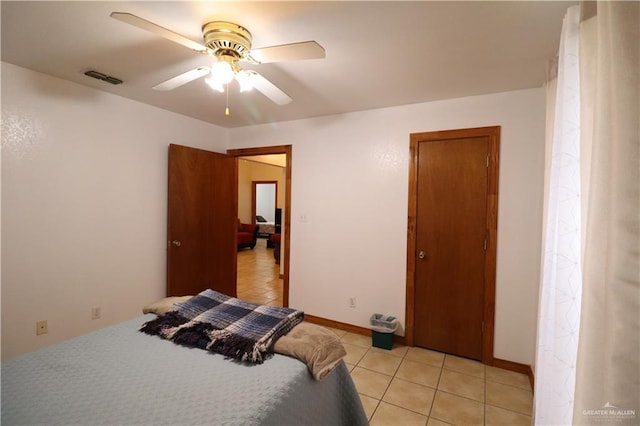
(103, 77)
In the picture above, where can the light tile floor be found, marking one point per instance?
(258, 274)
(415, 386)
(406, 386)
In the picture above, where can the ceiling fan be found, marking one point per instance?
(229, 44)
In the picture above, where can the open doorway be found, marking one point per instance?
(249, 186)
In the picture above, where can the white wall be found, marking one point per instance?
(84, 206)
(84, 178)
(350, 180)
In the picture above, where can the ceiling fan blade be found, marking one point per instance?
(136, 21)
(289, 52)
(181, 79)
(269, 89)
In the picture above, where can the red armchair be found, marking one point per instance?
(275, 240)
(247, 235)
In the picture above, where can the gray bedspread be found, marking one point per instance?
(119, 376)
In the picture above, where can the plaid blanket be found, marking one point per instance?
(218, 323)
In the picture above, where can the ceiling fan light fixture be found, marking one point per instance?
(245, 80)
(222, 35)
(222, 72)
(214, 84)
(230, 44)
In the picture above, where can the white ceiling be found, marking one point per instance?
(378, 54)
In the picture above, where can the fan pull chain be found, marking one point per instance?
(226, 110)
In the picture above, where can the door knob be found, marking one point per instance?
(421, 255)
(176, 243)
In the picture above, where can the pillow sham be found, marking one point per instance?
(164, 305)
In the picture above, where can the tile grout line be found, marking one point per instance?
(433, 401)
(385, 391)
(485, 399)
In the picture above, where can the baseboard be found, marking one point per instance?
(517, 367)
(400, 340)
(337, 324)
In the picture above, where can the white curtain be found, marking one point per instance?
(560, 295)
(588, 353)
(608, 369)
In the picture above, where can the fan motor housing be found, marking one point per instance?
(227, 36)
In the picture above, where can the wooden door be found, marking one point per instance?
(201, 222)
(451, 237)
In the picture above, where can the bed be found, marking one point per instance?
(119, 375)
(265, 229)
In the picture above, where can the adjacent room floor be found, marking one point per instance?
(258, 274)
(406, 386)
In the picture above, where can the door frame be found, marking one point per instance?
(286, 220)
(493, 133)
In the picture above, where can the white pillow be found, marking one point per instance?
(164, 305)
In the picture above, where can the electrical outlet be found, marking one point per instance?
(41, 328)
(352, 302)
(96, 313)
